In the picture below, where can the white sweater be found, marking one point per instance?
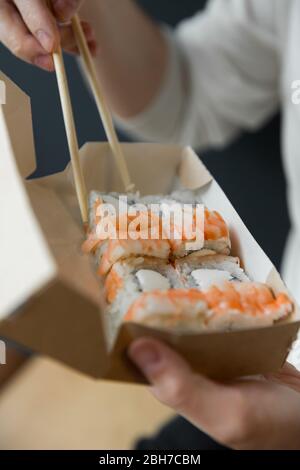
(242, 59)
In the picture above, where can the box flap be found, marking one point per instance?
(26, 263)
(64, 325)
(16, 117)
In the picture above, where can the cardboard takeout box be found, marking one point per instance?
(50, 297)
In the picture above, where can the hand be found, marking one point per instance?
(30, 30)
(254, 413)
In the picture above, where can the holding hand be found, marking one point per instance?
(31, 32)
(257, 413)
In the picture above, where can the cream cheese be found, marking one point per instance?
(205, 278)
(151, 280)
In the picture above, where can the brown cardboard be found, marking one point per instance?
(51, 300)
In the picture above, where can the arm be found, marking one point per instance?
(215, 75)
(257, 413)
(133, 54)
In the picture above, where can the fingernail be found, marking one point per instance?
(45, 40)
(145, 358)
(44, 61)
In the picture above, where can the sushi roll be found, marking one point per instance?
(216, 232)
(152, 276)
(216, 236)
(128, 279)
(156, 240)
(232, 306)
(137, 275)
(201, 271)
(112, 251)
(125, 241)
(120, 203)
(115, 204)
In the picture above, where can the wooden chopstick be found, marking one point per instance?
(103, 108)
(71, 133)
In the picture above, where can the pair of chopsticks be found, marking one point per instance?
(104, 112)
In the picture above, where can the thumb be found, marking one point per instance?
(172, 380)
(220, 410)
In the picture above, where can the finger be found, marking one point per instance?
(218, 409)
(288, 375)
(15, 36)
(174, 383)
(65, 9)
(68, 40)
(290, 369)
(287, 370)
(73, 50)
(92, 47)
(40, 22)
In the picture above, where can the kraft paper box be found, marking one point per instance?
(50, 298)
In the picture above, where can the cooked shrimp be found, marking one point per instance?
(114, 250)
(234, 306)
